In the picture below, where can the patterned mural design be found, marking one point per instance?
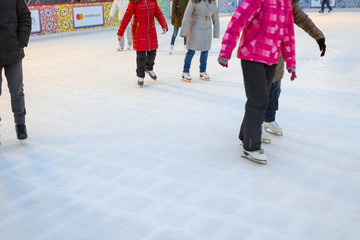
(227, 6)
(57, 18)
(165, 7)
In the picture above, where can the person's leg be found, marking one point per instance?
(14, 76)
(188, 58)
(322, 5)
(173, 37)
(141, 63)
(150, 59)
(273, 104)
(328, 4)
(257, 79)
(203, 60)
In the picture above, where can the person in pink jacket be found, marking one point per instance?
(268, 30)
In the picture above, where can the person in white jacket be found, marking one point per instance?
(121, 6)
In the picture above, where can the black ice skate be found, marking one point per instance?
(21, 132)
(151, 74)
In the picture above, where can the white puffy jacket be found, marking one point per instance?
(121, 6)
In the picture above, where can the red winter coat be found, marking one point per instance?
(143, 27)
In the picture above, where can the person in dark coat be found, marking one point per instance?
(178, 10)
(15, 28)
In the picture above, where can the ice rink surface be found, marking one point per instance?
(108, 160)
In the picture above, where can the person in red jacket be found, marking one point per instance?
(144, 34)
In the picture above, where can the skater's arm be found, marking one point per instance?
(288, 45)
(126, 19)
(24, 22)
(216, 22)
(175, 6)
(302, 20)
(160, 17)
(244, 14)
(113, 9)
(190, 8)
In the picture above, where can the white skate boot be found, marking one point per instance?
(171, 49)
(140, 81)
(255, 156)
(204, 76)
(152, 74)
(265, 137)
(119, 49)
(273, 127)
(186, 77)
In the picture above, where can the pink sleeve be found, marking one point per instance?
(244, 14)
(288, 45)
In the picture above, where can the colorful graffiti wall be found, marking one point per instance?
(68, 17)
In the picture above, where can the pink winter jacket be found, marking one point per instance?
(268, 29)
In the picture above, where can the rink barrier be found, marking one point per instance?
(68, 17)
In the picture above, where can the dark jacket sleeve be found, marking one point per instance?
(175, 6)
(24, 22)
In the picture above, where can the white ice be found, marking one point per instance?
(108, 160)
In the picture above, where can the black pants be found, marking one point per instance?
(14, 76)
(257, 80)
(145, 60)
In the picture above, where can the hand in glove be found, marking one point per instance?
(223, 61)
(293, 73)
(322, 46)
(119, 38)
(164, 31)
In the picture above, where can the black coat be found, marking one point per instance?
(15, 28)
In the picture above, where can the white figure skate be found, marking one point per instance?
(273, 127)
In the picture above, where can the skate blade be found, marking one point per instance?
(205, 79)
(186, 80)
(267, 141)
(273, 133)
(248, 157)
(22, 142)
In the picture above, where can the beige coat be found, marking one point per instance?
(197, 24)
(302, 20)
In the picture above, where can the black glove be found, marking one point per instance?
(322, 46)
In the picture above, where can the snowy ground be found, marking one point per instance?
(107, 160)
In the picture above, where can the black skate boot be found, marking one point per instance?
(21, 132)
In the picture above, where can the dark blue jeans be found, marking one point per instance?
(273, 103)
(327, 2)
(175, 33)
(189, 56)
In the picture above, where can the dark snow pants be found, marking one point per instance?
(14, 76)
(145, 60)
(257, 80)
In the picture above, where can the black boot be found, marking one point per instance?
(21, 132)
